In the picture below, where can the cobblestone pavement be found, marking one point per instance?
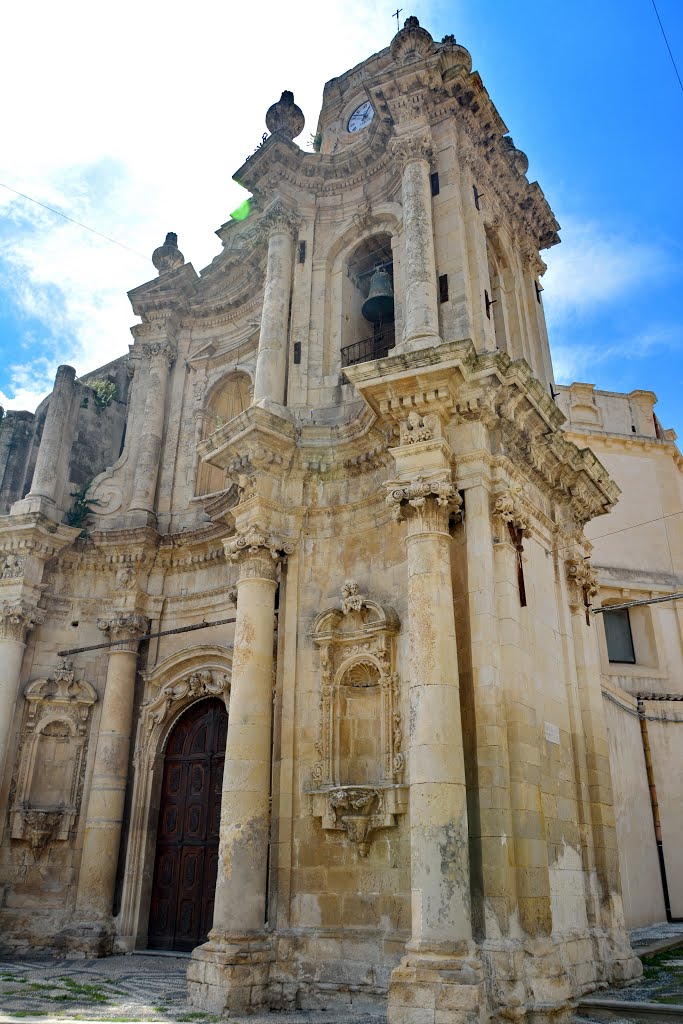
(125, 988)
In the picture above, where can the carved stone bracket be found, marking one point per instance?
(423, 496)
(12, 567)
(418, 428)
(52, 757)
(17, 618)
(508, 508)
(352, 791)
(583, 583)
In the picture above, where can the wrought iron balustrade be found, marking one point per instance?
(374, 347)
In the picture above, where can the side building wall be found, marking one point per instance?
(638, 552)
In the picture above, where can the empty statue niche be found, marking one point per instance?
(51, 761)
(368, 302)
(357, 781)
(359, 721)
(227, 399)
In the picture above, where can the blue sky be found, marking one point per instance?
(137, 127)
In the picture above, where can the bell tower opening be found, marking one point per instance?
(368, 302)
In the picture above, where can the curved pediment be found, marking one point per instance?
(357, 615)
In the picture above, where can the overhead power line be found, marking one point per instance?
(71, 220)
(666, 41)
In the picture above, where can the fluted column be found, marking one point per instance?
(104, 814)
(16, 619)
(160, 356)
(230, 971)
(421, 311)
(280, 225)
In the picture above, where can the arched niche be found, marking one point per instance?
(179, 681)
(229, 397)
(52, 757)
(362, 339)
(357, 781)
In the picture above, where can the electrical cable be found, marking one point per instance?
(71, 220)
(667, 45)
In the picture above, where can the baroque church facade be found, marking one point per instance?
(298, 665)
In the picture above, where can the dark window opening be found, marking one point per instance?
(435, 183)
(368, 297)
(538, 291)
(297, 351)
(477, 196)
(443, 288)
(302, 252)
(619, 637)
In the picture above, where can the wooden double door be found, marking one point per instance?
(184, 885)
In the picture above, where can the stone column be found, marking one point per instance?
(160, 355)
(280, 225)
(230, 972)
(16, 619)
(420, 307)
(104, 814)
(55, 436)
(440, 974)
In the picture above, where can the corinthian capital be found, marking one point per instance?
(416, 146)
(125, 629)
(278, 218)
(17, 618)
(161, 350)
(429, 504)
(257, 552)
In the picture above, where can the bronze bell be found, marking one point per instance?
(379, 305)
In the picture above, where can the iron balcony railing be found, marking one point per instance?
(374, 347)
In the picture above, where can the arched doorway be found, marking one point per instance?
(184, 884)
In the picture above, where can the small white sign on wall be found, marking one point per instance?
(552, 732)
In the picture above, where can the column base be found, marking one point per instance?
(86, 939)
(416, 343)
(36, 504)
(230, 974)
(434, 989)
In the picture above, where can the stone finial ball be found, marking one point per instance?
(284, 118)
(168, 256)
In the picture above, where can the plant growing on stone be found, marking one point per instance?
(80, 510)
(106, 392)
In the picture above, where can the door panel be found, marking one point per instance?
(184, 884)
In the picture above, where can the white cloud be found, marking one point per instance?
(580, 361)
(133, 123)
(593, 267)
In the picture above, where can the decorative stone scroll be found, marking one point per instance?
(583, 583)
(174, 697)
(357, 780)
(52, 757)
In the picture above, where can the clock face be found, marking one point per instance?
(361, 117)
